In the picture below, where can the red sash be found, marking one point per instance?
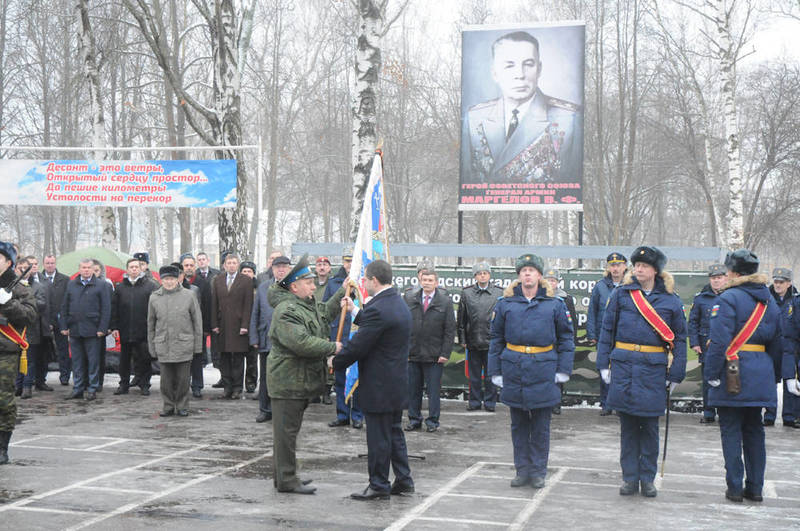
(732, 352)
(13, 335)
(651, 316)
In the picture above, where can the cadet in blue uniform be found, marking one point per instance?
(633, 360)
(699, 318)
(759, 368)
(531, 350)
(616, 267)
(786, 297)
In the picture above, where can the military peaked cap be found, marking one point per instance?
(782, 273)
(298, 272)
(715, 270)
(616, 258)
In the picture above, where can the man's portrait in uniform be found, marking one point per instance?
(522, 134)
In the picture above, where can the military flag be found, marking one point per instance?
(371, 244)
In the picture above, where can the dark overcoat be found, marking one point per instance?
(230, 312)
(129, 305)
(433, 331)
(380, 346)
(86, 310)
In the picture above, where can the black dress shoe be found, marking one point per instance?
(732, 496)
(250, 389)
(358, 424)
(326, 399)
(402, 488)
(370, 494)
(91, 395)
(236, 395)
(605, 412)
(263, 417)
(121, 391)
(752, 497)
(556, 410)
(490, 409)
(183, 413)
(300, 489)
(629, 488)
(791, 424)
(18, 391)
(26, 393)
(430, 428)
(75, 395)
(520, 481)
(413, 427)
(338, 422)
(64, 382)
(166, 413)
(649, 489)
(197, 394)
(145, 391)
(473, 408)
(769, 422)
(706, 420)
(43, 387)
(218, 385)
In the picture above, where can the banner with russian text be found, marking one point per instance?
(158, 183)
(522, 117)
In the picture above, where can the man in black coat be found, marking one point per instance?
(129, 323)
(85, 316)
(59, 282)
(474, 317)
(381, 348)
(433, 331)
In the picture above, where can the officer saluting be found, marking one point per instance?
(531, 350)
(699, 322)
(741, 365)
(643, 321)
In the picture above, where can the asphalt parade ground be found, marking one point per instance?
(115, 464)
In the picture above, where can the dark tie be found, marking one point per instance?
(512, 126)
(425, 303)
(50, 279)
(204, 273)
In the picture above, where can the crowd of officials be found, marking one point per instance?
(279, 332)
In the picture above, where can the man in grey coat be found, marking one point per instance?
(174, 336)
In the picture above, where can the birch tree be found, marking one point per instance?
(91, 73)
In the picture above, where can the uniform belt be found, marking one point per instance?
(528, 350)
(749, 347)
(638, 348)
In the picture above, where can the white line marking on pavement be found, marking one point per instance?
(488, 476)
(105, 445)
(111, 489)
(526, 514)
(166, 492)
(769, 489)
(485, 496)
(37, 497)
(54, 511)
(130, 454)
(23, 441)
(461, 520)
(415, 513)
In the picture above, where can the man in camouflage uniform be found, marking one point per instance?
(17, 312)
(296, 370)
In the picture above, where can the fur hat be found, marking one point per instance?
(742, 261)
(530, 260)
(169, 271)
(247, 264)
(481, 266)
(142, 257)
(650, 255)
(9, 252)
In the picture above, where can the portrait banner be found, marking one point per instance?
(522, 107)
(156, 183)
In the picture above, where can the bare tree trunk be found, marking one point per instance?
(727, 59)
(86, 45)
(367, 67)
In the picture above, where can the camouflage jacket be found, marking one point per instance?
(299, 334)
(20, 311)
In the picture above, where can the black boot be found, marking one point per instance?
(5, 438)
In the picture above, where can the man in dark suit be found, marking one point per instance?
(85, 316)
(59, 282)
(231, 304)
(381, 347)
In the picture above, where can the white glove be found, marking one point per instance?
(605, 374)
(5, 296)
(498, 380)
(671, 385)
(714, 383)
(793, 387)
(562, 377)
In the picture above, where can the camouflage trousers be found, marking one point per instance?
(9, 368)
